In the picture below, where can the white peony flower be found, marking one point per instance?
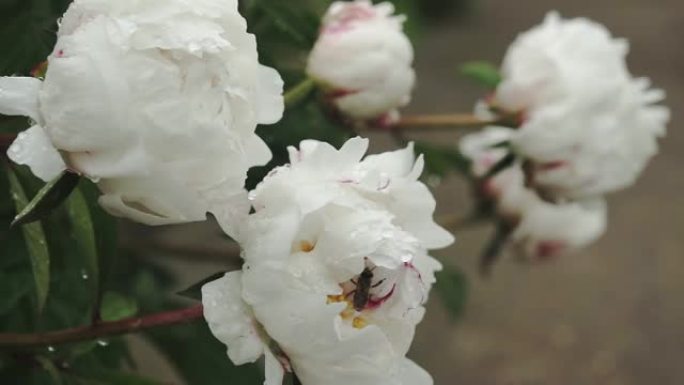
(589, 127)
(336, 266)
(550, 230)
(157, 101)
(541, 229)
(364, 60)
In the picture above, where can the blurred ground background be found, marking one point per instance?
(610, 316)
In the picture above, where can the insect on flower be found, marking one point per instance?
(363, 285)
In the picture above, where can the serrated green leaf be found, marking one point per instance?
(452, 286)
(483, 73)
(195, 291)
(36, 244)
(48, 198)
(83, 235)
(116, 307)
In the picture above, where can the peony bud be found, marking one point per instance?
(363, 60)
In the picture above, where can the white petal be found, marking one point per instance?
(231, 320)
(258, 153)
(411, 374)
(393, 163)
(153, 200)
(270, 96)
(274, 370)
(19, 96)
(34, 149)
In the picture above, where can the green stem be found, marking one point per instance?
(299, 92)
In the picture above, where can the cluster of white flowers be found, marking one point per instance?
(156, 101)
(363, 60)
(336, 267)
(587, 128)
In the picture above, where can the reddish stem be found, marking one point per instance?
(6, 140)
(100, 330)
(448, 120)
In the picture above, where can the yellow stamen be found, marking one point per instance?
(359, 323)
(306, 246)
(335, 298)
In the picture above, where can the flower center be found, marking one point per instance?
(363, 294)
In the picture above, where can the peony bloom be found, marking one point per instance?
(363, 60)
(541, 229)
(589, 126)
(336, 267)
(156, 101)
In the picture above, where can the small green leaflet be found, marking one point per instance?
(48, 198)
(116, 307)
(83, 235)
(483, 73)
(36, 244)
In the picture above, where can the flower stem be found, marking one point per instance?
(6, 140)
(448, 120)
(299, 92)
(101, 330)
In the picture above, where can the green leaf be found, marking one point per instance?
(116, 307)
(50, 369)
(501, 165)
(48, 198)
(195, 291)
(36, 244)
(83, 235)
(110, 377)
(13, 288)
(483, 73)
(452, 286)
(441, 160)
(293, 18)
